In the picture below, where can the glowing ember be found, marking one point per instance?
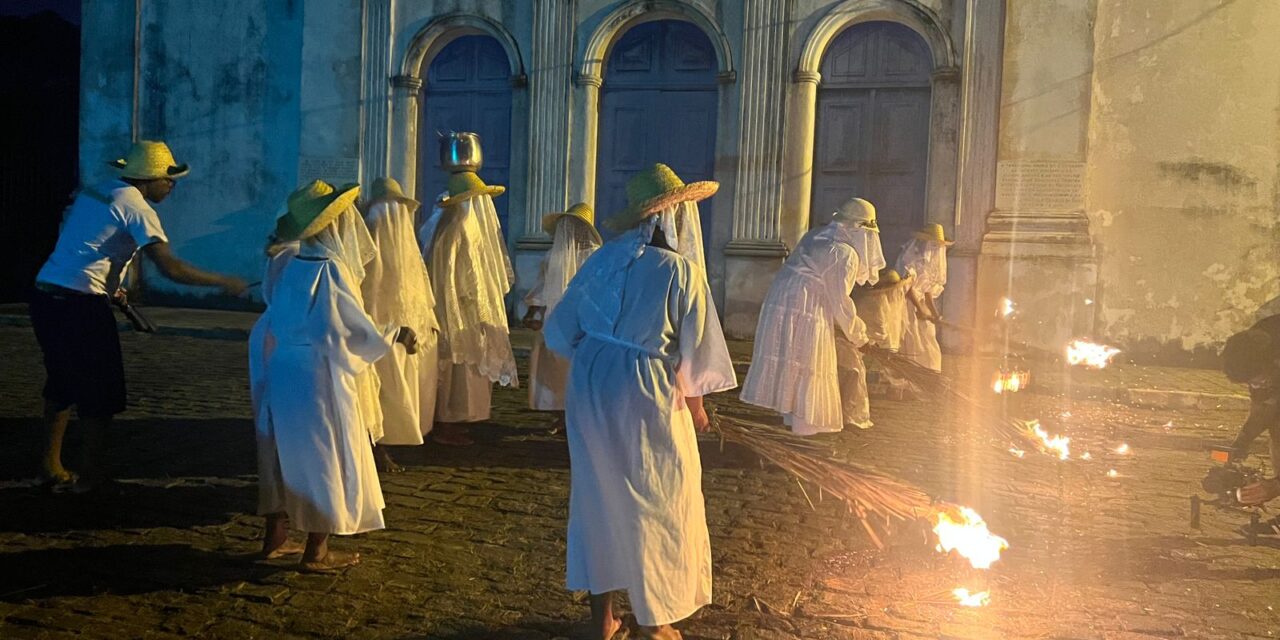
(1086, 456)
(1058, 445)
(1006, 307)
(962, 530)
(1017, 453)
(966, 599)
(1089, 354)
(1088, 301)
(1011, 381)
(1123, 449)
(1113, 474)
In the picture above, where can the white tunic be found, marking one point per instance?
(639, 344)
(548, 373)
(926, 264)
(314, 453)
(397, 292)
(794, 368)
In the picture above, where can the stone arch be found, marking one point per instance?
(444, 29)
(634, 12)
(850, 12)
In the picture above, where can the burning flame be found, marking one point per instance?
(1059, 445)
(1086, 456)
(1123, 449)
(962, 530)
(1017, 453)
(1089, 354)
(966, 599)
(1113, 474)
(1006, 307)
(1011, 381)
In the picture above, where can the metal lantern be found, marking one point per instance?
(460, 151)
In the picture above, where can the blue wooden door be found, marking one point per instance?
(658, 104)
(467, 88)
(872, 133)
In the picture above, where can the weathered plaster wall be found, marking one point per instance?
(220, 85)
(1183, 182)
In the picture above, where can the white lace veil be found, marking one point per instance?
(347, 240)
(928, 260)
(397, 288)
(571, 245)
(689, 234)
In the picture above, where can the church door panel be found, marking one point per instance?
(872, 134)
(658, 104)
(467, 88)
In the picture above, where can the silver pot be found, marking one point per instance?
(460, 151)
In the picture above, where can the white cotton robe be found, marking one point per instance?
(794, 369)
(882, 309)
(548, 372)
(397, 292)
(573, 242)
(470, 275)
(640, 341)
(315, 457)
(926, 263)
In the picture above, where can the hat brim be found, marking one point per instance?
(338, 201)
(924, 236)
(692, 192)
(488, 190)
(550, 221)
(391, 197)
(174, 171)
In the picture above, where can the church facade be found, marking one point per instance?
(1061, 143)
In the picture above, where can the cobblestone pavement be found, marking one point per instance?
(476, 544)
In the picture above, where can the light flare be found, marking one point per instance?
(1090, 354)
(1013, 380)
(962, 530)
(1113, 474)
(1006, 307)
(1123, 449)
(1055, 444)
(967, 599)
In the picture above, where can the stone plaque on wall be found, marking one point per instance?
(335, 171)
(1039, 185)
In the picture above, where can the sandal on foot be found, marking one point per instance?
(332, 562)
(286, 549)
(453, 440)
(58, 482)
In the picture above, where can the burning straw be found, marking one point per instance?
(871, 496)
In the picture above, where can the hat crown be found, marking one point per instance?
(149, 160)
(651, 183)
(584, 211)
(464, 181)
(314, 191)
(932, 232)
(385, 188)
(856, 210)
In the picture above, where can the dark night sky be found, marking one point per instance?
(68, 9)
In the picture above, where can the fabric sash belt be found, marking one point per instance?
(627, 345)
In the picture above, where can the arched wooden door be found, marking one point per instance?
(467, 88)
(658, 104)
(873, 128)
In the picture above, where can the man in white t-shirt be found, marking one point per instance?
(71, 305)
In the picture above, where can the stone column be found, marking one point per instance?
(376, 89)
(405, 92)
(797, 172)
(1037, 249)
(944, 118)
(755, 252)
(586, 110)
(550, 85)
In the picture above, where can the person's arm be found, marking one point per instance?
(933, 309)
(180, 271)
(701, 421)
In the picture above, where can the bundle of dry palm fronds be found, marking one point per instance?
(934, 384)
(867, 493)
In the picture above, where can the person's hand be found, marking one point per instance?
(408, 338)
(233, 286)
(121, 296)
(1259, 492)
(531, 319)
(701, 421)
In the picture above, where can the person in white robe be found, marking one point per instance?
(882, 308)
(470, 276)
(315, 456)
(574, 239)
(397, 291)
(643, 352)
(805, 362)
(924, 260)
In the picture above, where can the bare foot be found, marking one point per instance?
(588, 630)
(384, 462)
(331, 562)
(282, 550)
(665, 632)
(451, 436)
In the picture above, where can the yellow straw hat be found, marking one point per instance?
(857, 212)
(581, 211)
(655, 189)
(389, 189)
(465, 185)
(149, 160)
(313, 208)
(933, 232)
(888, 278)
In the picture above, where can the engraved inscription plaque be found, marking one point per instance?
(1039, 185)
(335, 171)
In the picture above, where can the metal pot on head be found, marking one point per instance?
(460, 151)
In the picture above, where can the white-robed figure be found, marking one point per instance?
(643, 351)
(805, 354)
(470, 275)
(397, 291)
(574, 239)
(924, 260)
(315, 456)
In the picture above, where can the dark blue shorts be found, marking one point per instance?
(81, 345)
